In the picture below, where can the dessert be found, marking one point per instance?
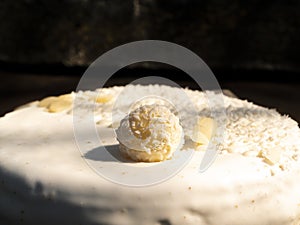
(150, 133)
(44, 179)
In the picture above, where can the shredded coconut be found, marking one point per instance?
(250, 130)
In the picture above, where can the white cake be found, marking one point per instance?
(44, 179)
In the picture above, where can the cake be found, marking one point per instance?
(45, 179)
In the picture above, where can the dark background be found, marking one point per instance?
(251, 46)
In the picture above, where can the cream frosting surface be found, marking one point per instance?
(45, 180)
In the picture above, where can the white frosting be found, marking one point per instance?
(45, 180)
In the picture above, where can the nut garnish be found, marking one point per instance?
(270, 156)
(203, 130)
(103, 98)
(57, 104)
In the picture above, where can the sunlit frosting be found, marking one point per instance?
(254, 180)
(250, 130)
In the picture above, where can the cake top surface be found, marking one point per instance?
(252, 133)
(251, 130)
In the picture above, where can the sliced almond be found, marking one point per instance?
(57, 104)
(46, 102)
(270, 156)
(203, 130)
(103, 98)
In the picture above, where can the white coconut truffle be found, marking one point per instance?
(150, 133)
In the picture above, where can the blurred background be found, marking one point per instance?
(251, 46)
